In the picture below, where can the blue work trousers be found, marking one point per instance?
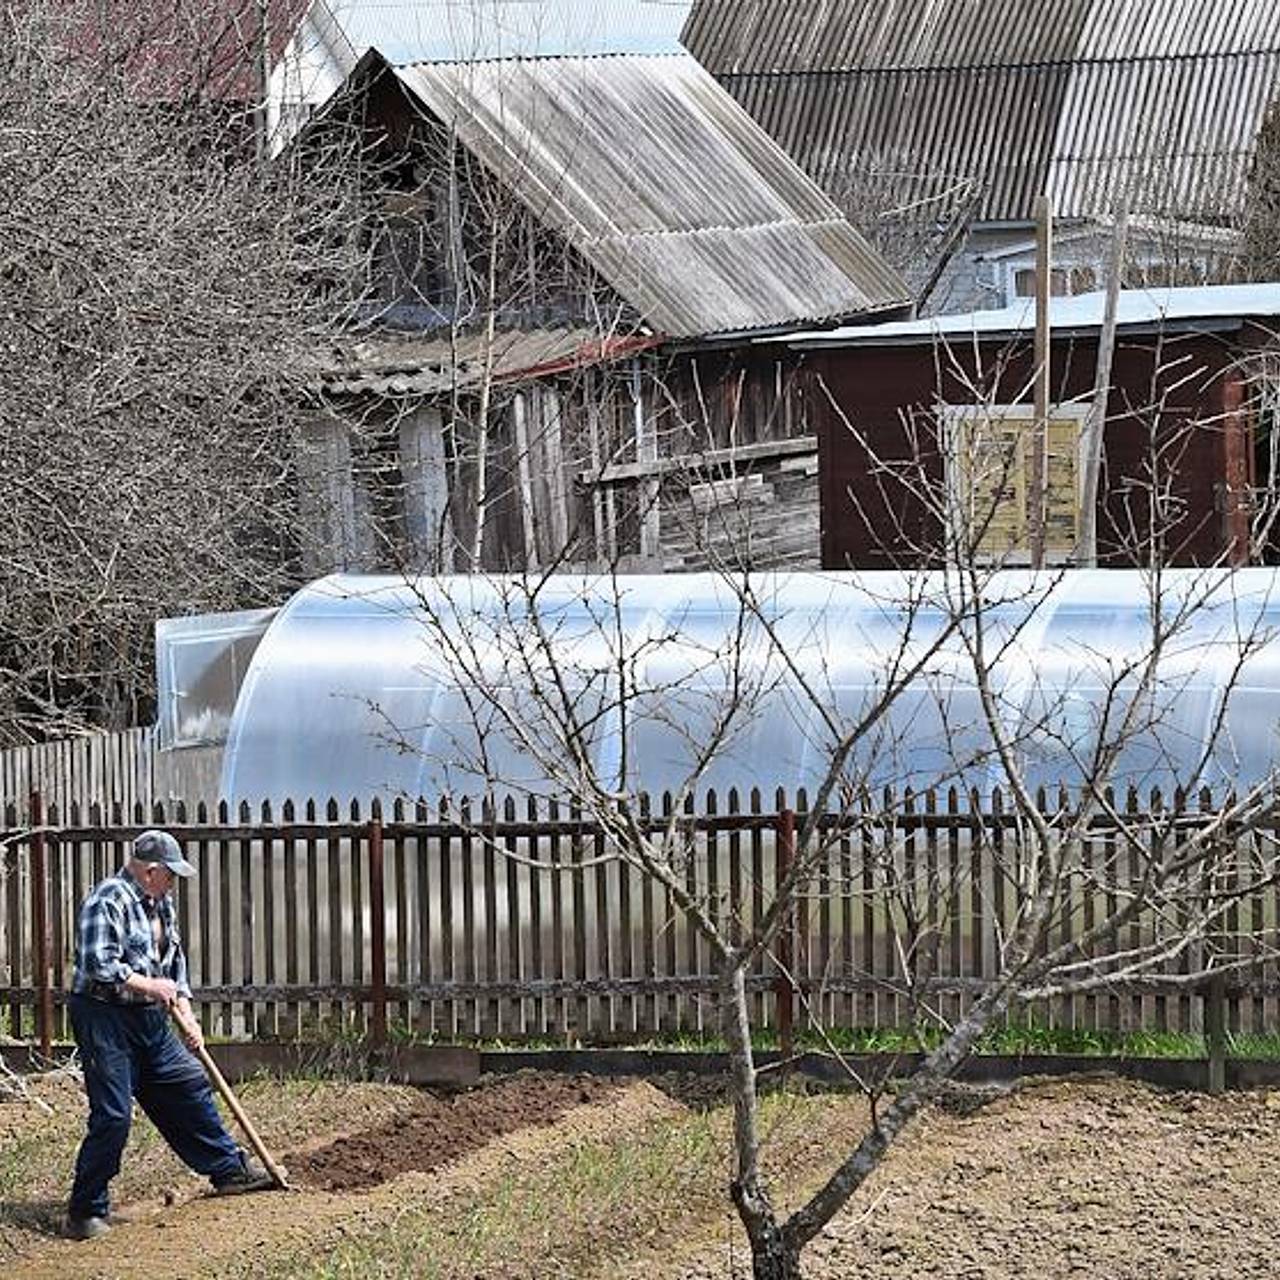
(127, 1052)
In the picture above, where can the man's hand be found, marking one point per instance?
(192, 1036)
(163, 991)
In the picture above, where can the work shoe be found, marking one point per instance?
(251, 1176)
(86, 1228)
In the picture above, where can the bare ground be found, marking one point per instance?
(1098, 1177)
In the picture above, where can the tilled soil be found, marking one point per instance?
(1101, 1179)
(441, 1129)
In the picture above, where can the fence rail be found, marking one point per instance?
(512, 922)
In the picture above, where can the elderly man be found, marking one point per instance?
(130, 970)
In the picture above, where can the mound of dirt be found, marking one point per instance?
(441, 1128)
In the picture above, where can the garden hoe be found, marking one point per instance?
(219, 1082)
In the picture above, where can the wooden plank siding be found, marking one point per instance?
(510, 921)
(882, 448)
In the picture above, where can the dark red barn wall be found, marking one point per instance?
(878, 445)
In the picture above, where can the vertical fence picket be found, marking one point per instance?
(377, 1023)
(517, 1010)
(758, 1004)
(649, 1016)
(951, 1007)
(399, 881)
(336, 1009)
(557, 890)
(488, 1011)
(14, 916)
(59, 933)
(540, 1008)
(1133, 867)
(670, 930)
(465, 844)
(223, 864)
(354, 914)
(694, 943)
(735, 905)
(202, 953)
(1003, 878)
(428, 889)
(266, 1016)
(1087, 1004)
(623, 927)
(869, 1001)
(295, 910)
(710, 843)
(578, 921)
(451, 1014)
(822, 1002)
(247, 917)
(311, 872)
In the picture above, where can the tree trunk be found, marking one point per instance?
(775, 1259)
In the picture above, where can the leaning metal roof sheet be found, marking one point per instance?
(335, 34)
(680, 200)
(1084, 99)
(1138, 308)
(406, 31)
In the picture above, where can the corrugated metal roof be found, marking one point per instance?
(335, 34)
(404, 366)
(666, 186)
(1081, 98)
(1138, 308)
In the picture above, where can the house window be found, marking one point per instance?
(989, 463)
(1062, 281)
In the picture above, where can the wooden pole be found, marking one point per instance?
(1037, 470)
(1237, 469)
(262, 74)
(218, 1081)
(40, 929)
(1096, 424)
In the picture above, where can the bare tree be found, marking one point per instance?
(565, 694)
(163, 292)
(1262, 202)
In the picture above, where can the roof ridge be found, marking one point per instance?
(959, 68)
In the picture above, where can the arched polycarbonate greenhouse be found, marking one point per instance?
(365, 686)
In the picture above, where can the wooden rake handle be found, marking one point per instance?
(219, 1082)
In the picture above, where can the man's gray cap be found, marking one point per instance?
(161, 847)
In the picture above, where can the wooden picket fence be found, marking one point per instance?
(98, 768)
(512, 922)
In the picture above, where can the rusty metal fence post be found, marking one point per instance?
(40, 961)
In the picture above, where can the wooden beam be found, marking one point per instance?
(763, 451)
(1038, 469)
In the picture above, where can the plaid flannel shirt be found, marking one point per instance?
(114, 939)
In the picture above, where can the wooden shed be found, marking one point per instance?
(1189, 466)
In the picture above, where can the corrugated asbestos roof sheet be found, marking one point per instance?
(675, 195)
(335, 34)
(405, 366)
(1160, 99)
(406, 31)
(1176, 308)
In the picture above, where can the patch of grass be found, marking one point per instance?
(1013, 1038)
(575, 1211)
